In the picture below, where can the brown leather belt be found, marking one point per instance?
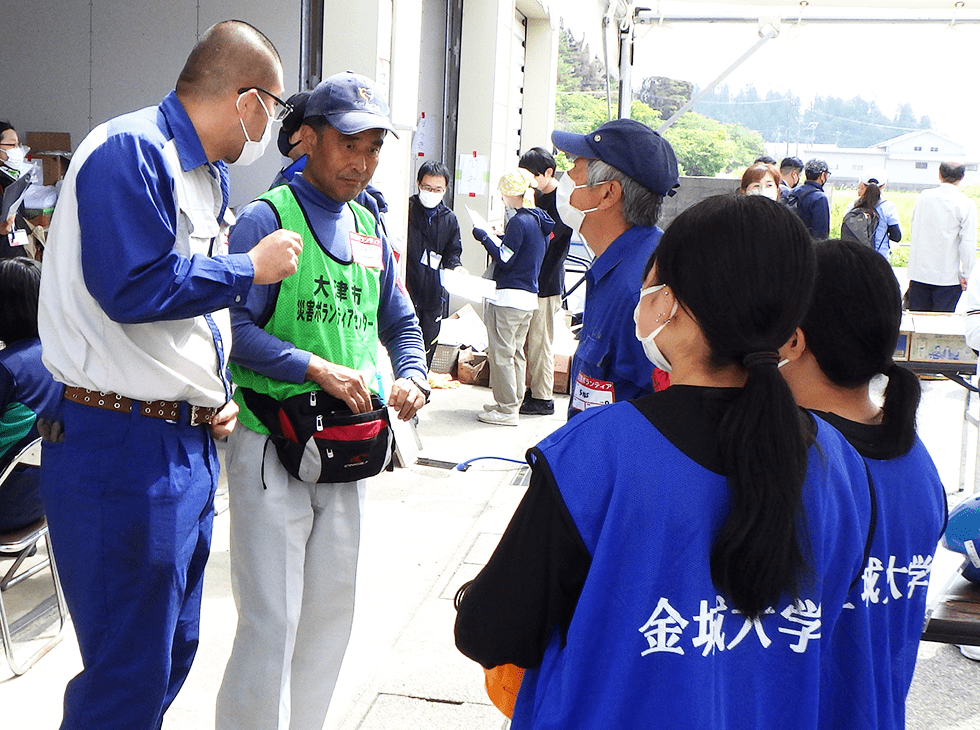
(168, 410)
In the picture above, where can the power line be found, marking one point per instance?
(740, 103)
(869, 124)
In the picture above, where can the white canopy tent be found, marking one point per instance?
(945, 27)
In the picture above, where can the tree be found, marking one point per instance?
(747, 146)
(643, 113)
(665, 95)
(577, 70)
(778, 117)
(580, 113)
(702, 145)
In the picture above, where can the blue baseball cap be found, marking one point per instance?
(350, 103)
(962, 535)
(631, 147)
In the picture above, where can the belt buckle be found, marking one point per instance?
(204, 412)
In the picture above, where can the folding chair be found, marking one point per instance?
(20, 545)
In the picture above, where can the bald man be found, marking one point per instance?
(134, 322)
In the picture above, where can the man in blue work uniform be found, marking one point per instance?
(620, 175)
(133, 320)
(294, 544)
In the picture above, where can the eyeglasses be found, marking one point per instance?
(430, 189)
(279, 111)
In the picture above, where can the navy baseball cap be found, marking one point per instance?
(631, 147)
(351, 103)
(816, 166)
(292, 121)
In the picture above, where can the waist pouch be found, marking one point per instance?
(319, 440)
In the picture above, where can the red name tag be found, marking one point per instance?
(589, 392)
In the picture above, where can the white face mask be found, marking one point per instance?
(253, 150)
(15, 156)
(430, 199)
(771, 193)
(650, 348)
(569, 214)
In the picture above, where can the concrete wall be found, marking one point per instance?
(381, 39)
(692, 190)
(428, 144)
(482, 129)
(540, 83)
(81, 62)
(78, 63)
(486, 98)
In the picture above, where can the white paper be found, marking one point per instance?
(472, 175)
(480, 222)
(467, 286)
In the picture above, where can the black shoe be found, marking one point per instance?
(537, 407)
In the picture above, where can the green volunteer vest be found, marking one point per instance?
(328, 307)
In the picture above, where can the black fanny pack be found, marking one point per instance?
(319, 440)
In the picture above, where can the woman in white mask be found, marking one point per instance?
(761, 179)
(672, 552)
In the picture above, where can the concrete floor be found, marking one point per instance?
(427, 530)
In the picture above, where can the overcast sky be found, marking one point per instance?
(932, 67)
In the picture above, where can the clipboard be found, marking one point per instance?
(13, 195)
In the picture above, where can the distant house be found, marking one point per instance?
(910, 160)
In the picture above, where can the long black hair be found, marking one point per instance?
(743, 266)
(871, 197)
(20, 281)
(852, 328)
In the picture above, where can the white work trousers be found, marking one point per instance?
(293, 564)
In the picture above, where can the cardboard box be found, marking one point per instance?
(473, 368)
(444, 359)
(54, 167)
(939, 338)
(904, 339)
(53, 151)
(563, 366)
(51, 142)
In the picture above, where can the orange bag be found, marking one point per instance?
(502, 685)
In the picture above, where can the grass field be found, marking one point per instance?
(904, 202)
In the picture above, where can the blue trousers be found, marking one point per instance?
(129, 502)
(20, 504)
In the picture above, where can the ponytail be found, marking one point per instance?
(756, 556)
(759, 259)
(852, 328)
(901, 403)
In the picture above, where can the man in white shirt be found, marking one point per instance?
(944, 243)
